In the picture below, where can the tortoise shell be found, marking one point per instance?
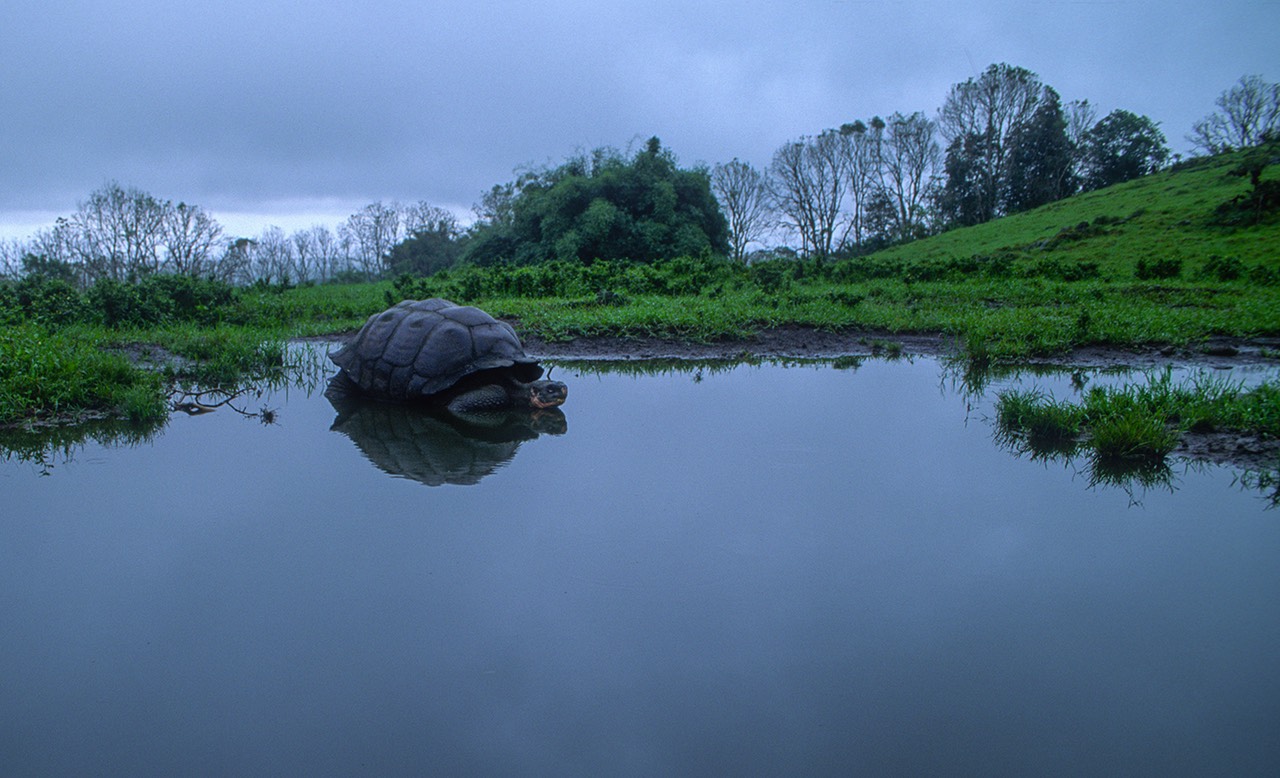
(421, 348)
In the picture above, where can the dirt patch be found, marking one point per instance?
(1247, 452)
(788, 342)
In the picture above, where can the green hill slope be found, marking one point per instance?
(1166, 217)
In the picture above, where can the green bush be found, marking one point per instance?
(159, 299)
(49, 301)
(1158, 269)
(1218, 268)
(1059, 269)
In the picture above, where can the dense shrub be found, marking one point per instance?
(1219, 268)
(1158, 268)
(1065, 270)
(672, 277)
(154, 300)
(48, 301)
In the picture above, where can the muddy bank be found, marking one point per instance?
(792, 342)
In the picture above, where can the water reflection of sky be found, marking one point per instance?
(766, 570)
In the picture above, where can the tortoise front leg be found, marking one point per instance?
(484, 398)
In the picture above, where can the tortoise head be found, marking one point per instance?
(547, 394)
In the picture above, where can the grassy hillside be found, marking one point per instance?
(1166, 216)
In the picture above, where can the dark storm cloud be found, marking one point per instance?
(248, 105)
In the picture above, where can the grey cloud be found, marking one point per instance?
(238, 105)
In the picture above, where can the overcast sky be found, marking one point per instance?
(291, 113)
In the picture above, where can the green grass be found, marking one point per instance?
(1166, 216)
(47, 376)
(1050, 427)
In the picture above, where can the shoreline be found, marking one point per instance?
(1240, 450)
(1233, 449)
(797, 342)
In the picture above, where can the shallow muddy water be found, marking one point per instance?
(750, 570)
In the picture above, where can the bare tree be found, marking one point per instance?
(327, 253)
(305, 255)
(909, 161)
(192, 240)
(118, 233)
(1249, 113)
(862, 143)
(423, 217)
(11, 253)
(743, 193)
(236, 266)
(60, 244)
(272, 258)
(808, 182)
(374, 230)
(1081, 117)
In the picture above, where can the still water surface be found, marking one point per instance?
(760, 570)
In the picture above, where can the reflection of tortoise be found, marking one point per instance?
(453, 356)
(438, 448)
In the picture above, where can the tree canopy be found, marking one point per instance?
(606, 206)
(1122, 146)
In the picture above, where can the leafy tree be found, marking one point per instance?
(1263, 198)
(966, 198)
(1248, 114)
(497, 206)
(427, 250)
(431, 243)
(1122, 146)
(978, 120)
(604, 207)
(1041, 160)
(41, 266)
(425, 217)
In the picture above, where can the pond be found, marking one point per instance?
(714, 569)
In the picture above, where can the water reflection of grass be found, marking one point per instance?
(49, 446)
(668, 366)
(1128, 432)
